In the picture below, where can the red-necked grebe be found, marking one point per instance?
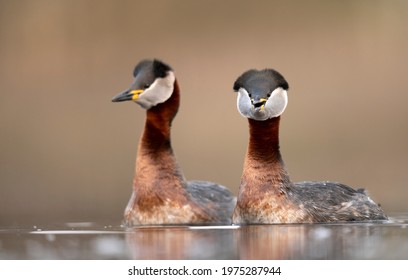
(266, 193)
(161, 195)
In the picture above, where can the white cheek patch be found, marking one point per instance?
(274, 106)
(277, 102)
(158, 92)
(244, 104)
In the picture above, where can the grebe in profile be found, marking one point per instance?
(266, 194)
(161, 195)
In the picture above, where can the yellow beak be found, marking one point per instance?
(135, 93)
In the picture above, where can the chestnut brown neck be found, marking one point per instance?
(263, 166)
(156, 165)
(264, 140)
(156, 135)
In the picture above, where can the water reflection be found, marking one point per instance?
(307, 242)
(268, 242)
(181, 243)
(319, 241)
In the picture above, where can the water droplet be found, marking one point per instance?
(50, 237)
(321, 233)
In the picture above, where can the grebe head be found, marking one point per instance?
(262, 94)
(153, 84)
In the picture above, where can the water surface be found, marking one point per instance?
(89, 240)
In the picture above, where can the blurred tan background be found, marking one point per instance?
(67, 153)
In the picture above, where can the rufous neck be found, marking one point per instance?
(263, 165)
(156, 133)
(264, 140)
(156, 165)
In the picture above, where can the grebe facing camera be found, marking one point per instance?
(161, 195)
(266, 193)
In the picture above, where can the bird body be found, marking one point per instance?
(266, 193)
(161, 194)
